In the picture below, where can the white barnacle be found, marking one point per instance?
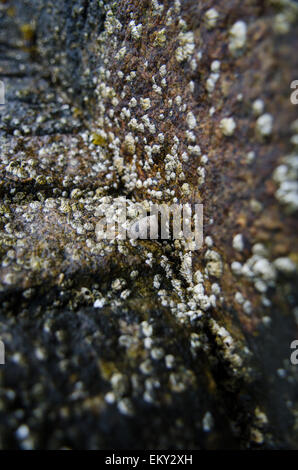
(22, 432)
(285, 265)
(201, 172)
(258, 107)
(133, 102)
(211, 17)
(145, 103)
(121, 53)
(282, 23)
(214, 263)
(187, 46)
(209, 241)
(238, 242)
(99, 303)
(250, 156)
(136, 30)
(160, 38)
(193, 65)
(238, 34)
(239, 298)
(163, 70)
(247, 307)
(125, 407)
(161, 137)
(157, 7)
(285, 176)
(185, 189)
(228, 126)
(215, 66)
(207, 422)
(190, 136)
(191, 86)
(191, 120)
(130, 143)
(264, 269)
(194, 150)
(264, 125)
(157, 89)
(236, 268)
(211, 82)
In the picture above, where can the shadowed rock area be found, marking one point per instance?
(146, 344)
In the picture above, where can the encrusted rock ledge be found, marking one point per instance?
(145, 344)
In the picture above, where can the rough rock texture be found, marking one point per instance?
(145, 344)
